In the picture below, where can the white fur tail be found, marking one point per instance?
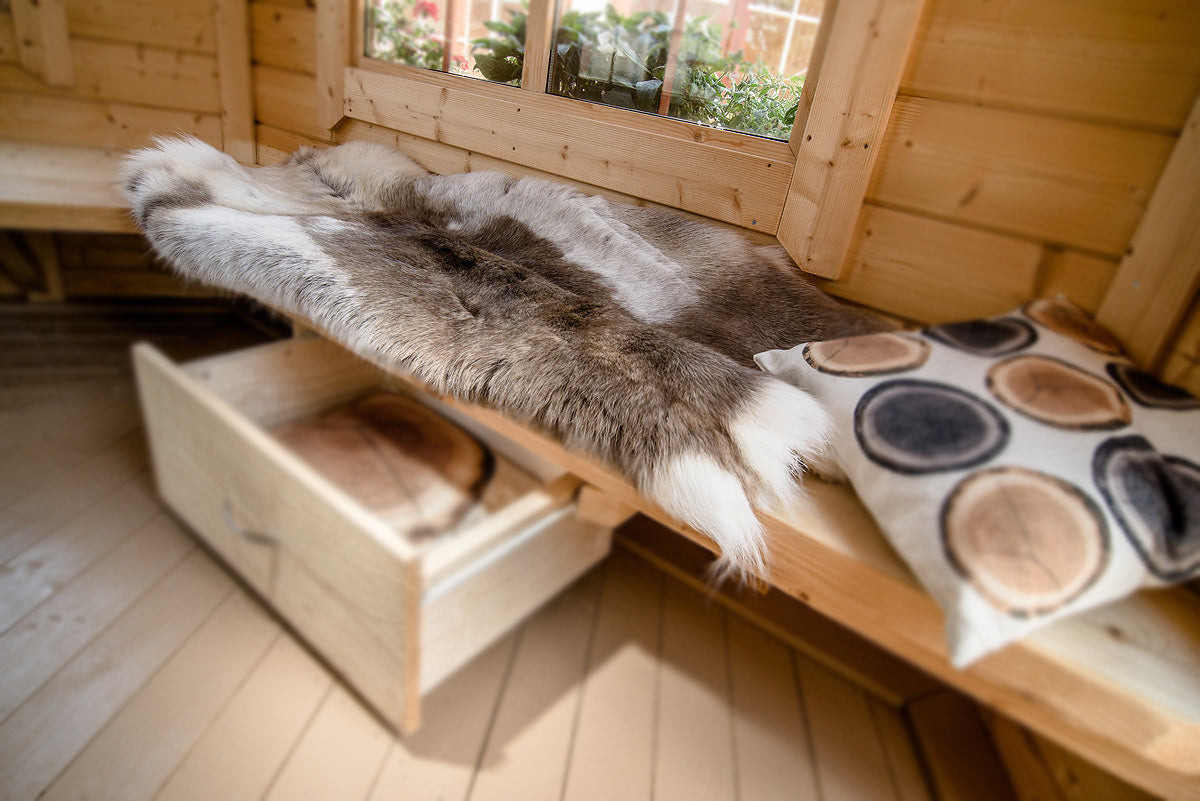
(777, 432)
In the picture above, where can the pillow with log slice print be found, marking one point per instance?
(1022, 467)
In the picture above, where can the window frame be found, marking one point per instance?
(806, 192)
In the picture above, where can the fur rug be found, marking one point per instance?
(624, 332)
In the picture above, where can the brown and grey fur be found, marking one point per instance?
(626, 333)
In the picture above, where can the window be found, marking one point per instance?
(804, 188)
(732, 64)
(445, 35)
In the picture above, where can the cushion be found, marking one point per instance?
(1022, 467)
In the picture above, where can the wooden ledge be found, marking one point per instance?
(1119, 685)
(56, 187)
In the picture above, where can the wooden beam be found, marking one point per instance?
(43, 43)
(17, 264)
(42, 244)
(1160, 273)
(333, 55)
(865, 55)
(812, 77)
(234, 71)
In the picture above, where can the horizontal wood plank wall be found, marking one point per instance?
(1024, 146)
(1182, 365)
(141, 68)
(1025, 143)
(1127, 62)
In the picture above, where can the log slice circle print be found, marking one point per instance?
(1027, 541)
(1148, 391)
(1058, 394)
(874, 354)
(1156, 500)
(1069, 320)
(917, 427)
(989, 338)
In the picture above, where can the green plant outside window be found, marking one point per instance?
(673, 64)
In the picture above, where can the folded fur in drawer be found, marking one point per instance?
(625, 333)
(415, 470)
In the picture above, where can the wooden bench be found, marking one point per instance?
(57, 188)
(1119, 685)
(61, 188)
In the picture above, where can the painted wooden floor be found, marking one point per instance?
(132, 666)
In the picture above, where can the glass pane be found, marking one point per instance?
(486, 37)
(735, 64)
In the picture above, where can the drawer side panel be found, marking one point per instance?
(464, 612)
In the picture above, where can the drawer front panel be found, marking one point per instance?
(320, 561)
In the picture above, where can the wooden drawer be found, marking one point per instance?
(394, 616)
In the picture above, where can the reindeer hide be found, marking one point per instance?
(624, 332)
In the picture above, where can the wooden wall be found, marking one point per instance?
(1024, 145)
(141, 67)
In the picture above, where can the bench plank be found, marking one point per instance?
(54, 187)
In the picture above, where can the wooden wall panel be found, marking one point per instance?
(8, 39)
(143, 67)
(1160, 273)
(149, 76)
(97, 123)
(1060, 181)
(1135, 62)
(180, 24)
(43, 42)
(1182, 365)
(931, 271)
(1079, 276)
(116, 265)
(235, 79)
(284, 36)
(287, 100)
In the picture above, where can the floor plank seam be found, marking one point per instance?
(136, 529)
(656, 715)
(910, 728)
(99, 634)
(489, 730)
(589, 653)
(203, 732)
(730, 702)
(394, 739)
(295, 744)
(889, 762)
(806, 722)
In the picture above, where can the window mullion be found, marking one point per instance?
(539, 42)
